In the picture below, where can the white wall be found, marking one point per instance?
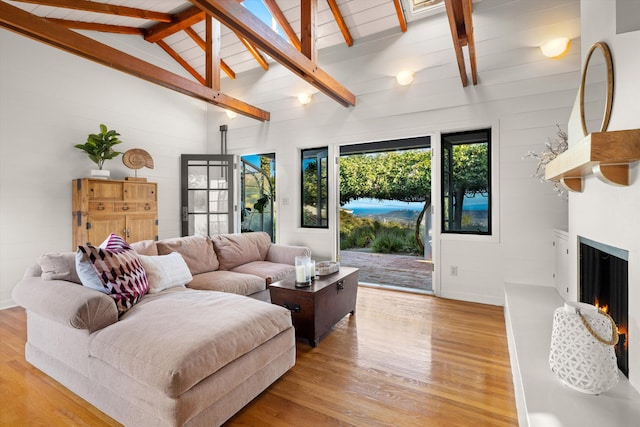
(602, 212)
(520, 94)
(51, 100)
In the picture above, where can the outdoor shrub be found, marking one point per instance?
(395, 240)
(382, 237)
(362, 236)
(389, 241)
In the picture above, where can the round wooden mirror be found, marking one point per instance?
(596, 89)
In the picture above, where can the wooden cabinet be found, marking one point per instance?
(126, 208)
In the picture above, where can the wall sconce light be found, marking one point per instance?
(231, 114)
(304, 98)
(405, 77)
(555, 48)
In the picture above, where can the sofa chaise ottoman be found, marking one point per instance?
(179, 357)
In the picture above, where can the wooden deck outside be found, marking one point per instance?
(404, 271)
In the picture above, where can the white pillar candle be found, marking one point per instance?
(312, 269)
(300, 274)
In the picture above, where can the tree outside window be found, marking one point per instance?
(466, 182)
(315, 188)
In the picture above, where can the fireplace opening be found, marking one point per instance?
(604, 282)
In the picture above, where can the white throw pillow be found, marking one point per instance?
(87, 274)
(165, 271)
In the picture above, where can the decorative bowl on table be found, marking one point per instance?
(324, 268)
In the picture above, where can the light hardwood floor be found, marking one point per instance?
(401, 360)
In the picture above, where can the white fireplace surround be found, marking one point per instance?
(602, 212)
(541, 398)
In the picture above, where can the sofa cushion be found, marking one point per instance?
(286, 254)
(197, 252)
(190, 335)
(59, 266)
(119, 270)
(145, 247)
(235, 249)
(228, 281)
(165, 271)
(269, 271)
(261, 239)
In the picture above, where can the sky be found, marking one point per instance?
(258, 8)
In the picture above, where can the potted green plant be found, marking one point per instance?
(99, 147)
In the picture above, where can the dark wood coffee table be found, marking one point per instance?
(317, 308)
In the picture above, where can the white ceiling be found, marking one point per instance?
(364, 18)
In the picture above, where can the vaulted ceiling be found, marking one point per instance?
(232, 41)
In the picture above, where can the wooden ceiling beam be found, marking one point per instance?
(92, 26)
(200, 42)
(277, 14)
(308, 29)
(179, 22)
(400, 12)
(29, 25)
(254, 52)
(109, 9)
(467, 11)
(186, 19)
(180, 60)
(337, 15)
(460, 35)
(212, 53)
(243, 22)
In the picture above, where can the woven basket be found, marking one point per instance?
(581, 360)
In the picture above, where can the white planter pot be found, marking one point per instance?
(100, 174)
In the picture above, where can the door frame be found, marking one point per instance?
(231, 166)
(434, 145)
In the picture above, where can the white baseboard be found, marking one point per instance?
(472, 297)
(7, 303)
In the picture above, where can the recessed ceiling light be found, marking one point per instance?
(304, 98)
(555, 48)
(405, 77)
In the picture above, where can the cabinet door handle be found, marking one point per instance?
(147, 207)
(100, 207)
(125, 208)
(294, 308)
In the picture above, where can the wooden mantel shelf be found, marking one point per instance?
(605, 154)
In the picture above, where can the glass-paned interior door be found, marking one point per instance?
(207, 194)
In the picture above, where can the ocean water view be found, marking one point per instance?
(374, 207)
(378, 210)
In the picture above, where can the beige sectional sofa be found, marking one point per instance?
(243, 264)
(178, 357)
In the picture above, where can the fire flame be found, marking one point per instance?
(622, 329)
(604, 308)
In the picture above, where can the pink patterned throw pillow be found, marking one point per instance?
(119, 270)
